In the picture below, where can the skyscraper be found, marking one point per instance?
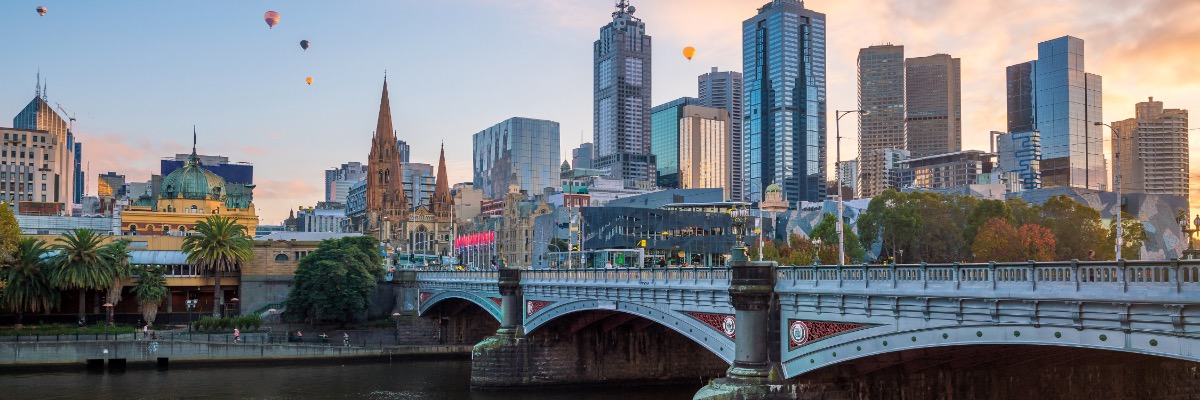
(1020, 153)
(664, 143)
(518, 150)
(581, 157)
(402, 146)
(339, 180)
(704, 149)
(622, 97)
(881, 95)
(933, 108)
(723, 89)
(784, 101)
(38, 115)
(79, 180)
(1153, 150)
(1055, 96)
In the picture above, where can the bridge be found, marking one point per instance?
(775, 323)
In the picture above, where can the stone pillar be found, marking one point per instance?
(501, 360)
(753, 375)
(512, 298)
(406, 293)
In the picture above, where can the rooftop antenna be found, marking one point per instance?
(37, 91)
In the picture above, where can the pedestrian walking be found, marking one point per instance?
(145, 331)
(237, 335)
(345, 339)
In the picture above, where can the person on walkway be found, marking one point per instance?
(145, 331)
(237, 335)
(345, 339)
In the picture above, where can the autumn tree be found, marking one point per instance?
(1037, 242)
(997, 241)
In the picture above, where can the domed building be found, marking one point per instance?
(187, 195)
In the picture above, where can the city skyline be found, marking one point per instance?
(242, 84)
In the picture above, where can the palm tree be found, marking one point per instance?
(81, 264)
(117, 254)
(27, 280)
(150, 291)
(218, 244)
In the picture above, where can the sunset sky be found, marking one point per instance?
(139, 74)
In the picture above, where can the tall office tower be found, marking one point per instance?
(1021, 153)
(38, 115)
(723, 89)
(888, 164)
(933, 104)
(622, 97)
(783, 105)
(881, 95)
(110, 186)
(402, 146)
(80, 182)
(339, 180)
(1153, 150)
(581, 157)
(848, 176)
(664, 143)
(27, 165)
(1055, 96)
(523, 151)
(704, 149)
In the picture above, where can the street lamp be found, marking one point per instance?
(108, 308)
(235, 305)
(837, 173)
(191, 304)
(1117, 183)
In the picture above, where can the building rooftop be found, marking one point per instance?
(305, 236)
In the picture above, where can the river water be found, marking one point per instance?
(432, 380)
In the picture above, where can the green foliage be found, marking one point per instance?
(826, 231)
(10, 233)
(248, 323)
(797, 251)
(26, 277)
(56, 329)
(998, 240)
(150, 291)
(81, 264)
(117, 255)
(557, 244)
(1077, 228)
(218, 245)
(984, 212)
(1133, 235)
(334, 283)
(924, 226)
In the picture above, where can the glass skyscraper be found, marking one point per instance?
(783, 132)
(622, 97)
(723, 89)
(38, 115)
(519, 150)
(1055, 96)
(664, 143)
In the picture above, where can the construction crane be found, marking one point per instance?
(70, 116)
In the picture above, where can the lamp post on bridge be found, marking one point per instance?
(837, 173)
(1116, 182)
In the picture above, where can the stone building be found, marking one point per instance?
(516, 237)
(386, 205)
(267, 279)
(428, 228)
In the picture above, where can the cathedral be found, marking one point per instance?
(416, 229)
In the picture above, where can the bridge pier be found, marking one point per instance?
(499, 360)
(752, 375)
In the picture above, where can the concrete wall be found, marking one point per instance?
(65, 353)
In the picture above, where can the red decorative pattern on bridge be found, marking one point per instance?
(724, 323)
(804, 332)
(499, 302)
(424, 296)
(533, 306)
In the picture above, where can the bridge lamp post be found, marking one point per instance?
(191, 304)
(1116, 182)
(837, 173)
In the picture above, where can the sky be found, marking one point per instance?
(138, 75)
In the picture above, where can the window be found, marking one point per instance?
(281, 257)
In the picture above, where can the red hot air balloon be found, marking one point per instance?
(304, 44)
(41, 11)
(272, 18)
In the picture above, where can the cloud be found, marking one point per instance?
(135, 157)
(274, 198)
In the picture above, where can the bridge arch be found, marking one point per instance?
(486, 303)
(707, 337)
(883, 340)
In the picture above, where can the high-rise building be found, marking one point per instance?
(110, 186)
(419, 183)
(704, 149)
(848, 176)
(784, 101)
(28, 161)
(622, 99)
(664, 143)
(950, 170)
(581, 157)
(80, 182)
(1153, 150)
(339, 180)
(933, 108)
(1020, 153)
(881, 95)
(723, 89)
(886, 166)
(240, 173)
(1056, 97)
(402, 146)
(519, 150)
(39, 116)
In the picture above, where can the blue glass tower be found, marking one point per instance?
(1056, 97)
(524, 151)
(783, 53)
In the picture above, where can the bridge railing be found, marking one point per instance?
(1108, 277)
(630, 276)
(458, 276)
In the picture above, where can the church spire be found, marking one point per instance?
(386, 200)
(194, 158)
(442, 201)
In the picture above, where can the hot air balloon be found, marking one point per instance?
(689, 52)
(309, 80)
(304, 44)
(41, 10)
(272, 18)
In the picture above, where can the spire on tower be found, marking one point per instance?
(37, 91)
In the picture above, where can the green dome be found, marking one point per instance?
(144, 201)
(192, 182)
(774, 188)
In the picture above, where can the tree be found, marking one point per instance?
(557, 244)
(117, 254)
(218, 245)
(1077, 228)
(334, 283)
(982, 213)
(1037, 242)
(150, 291)
(26, 277)
(826, 231)
(81, 264)
(997, 241)
(891, 221)
(10, 233)
(1133, 234)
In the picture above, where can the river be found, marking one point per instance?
(433, 380)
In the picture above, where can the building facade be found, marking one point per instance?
(523, 151)
(339, 180)
(313, 219)
(704, 150)
(881, 95)
(885, 166)
(241, 173)
(933, 104)
(28, 166)
(1021, 153)
(405, 151)
(418, 183)
(723, 89)
(1056, 97)
(386, 202)
(848, 176)
(1153, 150)
(621, 90)
(54, 152)
(951, 170)
(664, 144)
(581, 157)
(783, 104)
